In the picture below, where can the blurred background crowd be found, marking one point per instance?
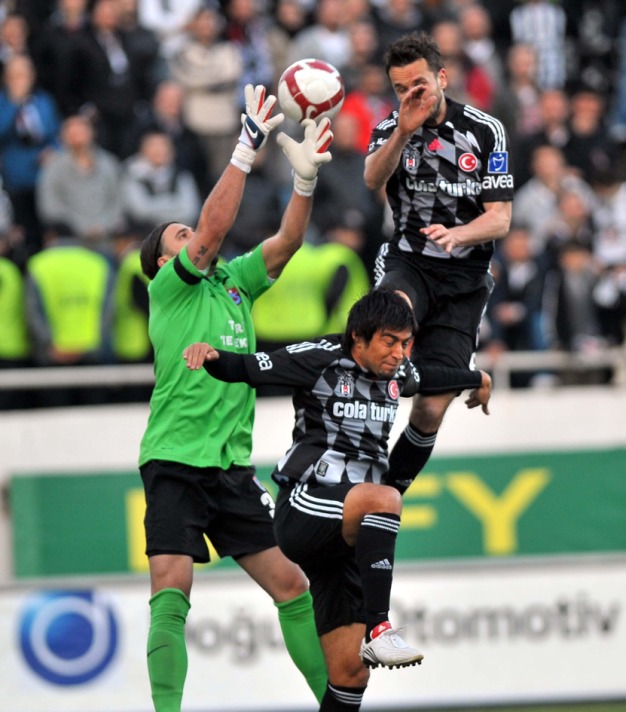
(116, 115)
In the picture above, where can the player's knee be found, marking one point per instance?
(350, 673)
(388, 499)
(291, 583)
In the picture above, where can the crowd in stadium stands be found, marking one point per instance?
(119, 114)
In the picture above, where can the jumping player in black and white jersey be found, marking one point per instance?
(447, 174)
(335, 517)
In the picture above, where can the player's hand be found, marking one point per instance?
(307, 156)
(480, 396)
(415, 108)
(196, 354)
(441, 236)
(257, 123)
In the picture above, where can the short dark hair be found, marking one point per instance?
(380, 309)
(151, 250)
(409, 48)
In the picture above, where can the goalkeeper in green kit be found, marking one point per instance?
(195, 453)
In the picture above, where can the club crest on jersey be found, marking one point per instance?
(498, 162)
(393, 389)
(233, 293)
(467, 162)
(411, 159)
(345, 385)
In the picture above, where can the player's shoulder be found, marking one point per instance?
(389, 122)
(468, 117)
(323, 348)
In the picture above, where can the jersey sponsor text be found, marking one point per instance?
(358, 410)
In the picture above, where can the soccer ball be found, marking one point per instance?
(310, 89)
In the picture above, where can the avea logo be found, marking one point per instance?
(68, 637)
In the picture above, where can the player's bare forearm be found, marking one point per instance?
(480, 396)
(217, 216)
(493, 224)
(414, 110)
(280, 248)
(381, 165)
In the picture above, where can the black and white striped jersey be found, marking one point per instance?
(343, 414)
(446, 174)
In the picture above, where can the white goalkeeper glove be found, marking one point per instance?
(307, 156)
(257, 125)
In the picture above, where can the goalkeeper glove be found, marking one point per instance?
(256, 126)
(307, 156)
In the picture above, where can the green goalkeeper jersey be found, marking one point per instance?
(193, 419)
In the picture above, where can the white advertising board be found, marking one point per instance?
(490, 634)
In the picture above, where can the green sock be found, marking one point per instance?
(298, 626)
(167, 653)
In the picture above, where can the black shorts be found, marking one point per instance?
(184, 503)
(449, 301)
(308, 530)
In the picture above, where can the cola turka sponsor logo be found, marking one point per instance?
(358, 410)
(456, 190)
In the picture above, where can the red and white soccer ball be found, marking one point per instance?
(310, 89)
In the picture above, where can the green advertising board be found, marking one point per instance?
(505, 505)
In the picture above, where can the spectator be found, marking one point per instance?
(15, 345)
(395, 18)
(154, 188)
(589, 148)
(479, 44)
(571, 313)
(130, 339)
(473, 79)
(542, 25)
(571, 221)
(54, 52)
(169, 22)
(110, 77)
(165, 114)
(536, 202)
(594, 29)
(29, 127)
(79, 187)
(609, 218)
(514, 309)
(517, 104)
(618, 108)
(368, 103)
(249, 30)
(364, 43)
(327, 38)
(69, 311)
(210, 69)
(554, 108)
(342, 197)
(14, 37)
(290, 17)
(143, 46)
